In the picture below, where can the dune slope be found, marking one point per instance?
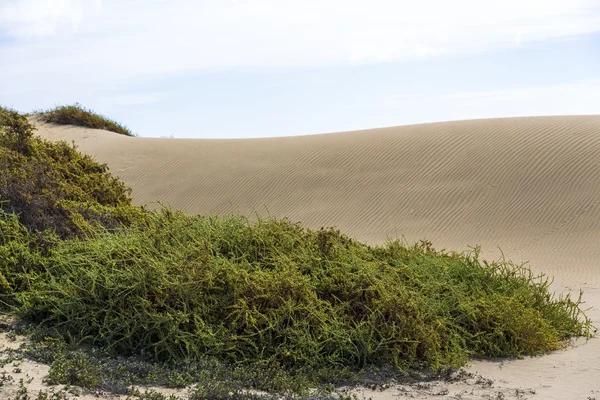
(527, 186)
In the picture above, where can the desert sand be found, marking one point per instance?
(527, 189)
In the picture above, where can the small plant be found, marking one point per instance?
(78, 115)
(5, 378)
(44, 395)
(22, 391)
(150, 395)
(74, 369)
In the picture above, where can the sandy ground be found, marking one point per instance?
(525, 188)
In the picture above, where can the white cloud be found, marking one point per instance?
(151, 36)
(37, 18)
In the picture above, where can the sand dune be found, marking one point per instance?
(529, 186)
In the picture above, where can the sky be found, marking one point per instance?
(260, 68)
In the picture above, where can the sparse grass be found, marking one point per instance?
(263, 304)
(78, 115)
(94, 368)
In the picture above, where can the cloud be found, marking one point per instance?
(151, 36)
(28, 19)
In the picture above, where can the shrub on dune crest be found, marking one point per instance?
(78, 115)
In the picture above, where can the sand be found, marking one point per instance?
(525, 188)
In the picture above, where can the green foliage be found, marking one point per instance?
(78, 115)
(17, 248)
(74, 369)
(94, 368)
(50, 191)
(52, 186)
(272, 292)
(16, 131)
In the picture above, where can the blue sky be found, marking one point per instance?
(256, 68)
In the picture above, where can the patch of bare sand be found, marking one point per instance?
(527, 186)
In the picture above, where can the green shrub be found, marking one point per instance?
(272, 292)
(78, 115)
(52, 186)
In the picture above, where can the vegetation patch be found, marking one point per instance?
(78, 115)
(184, 287)
(268, 298)
(53, 187)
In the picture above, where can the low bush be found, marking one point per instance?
(272, 292)
(78, 115)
